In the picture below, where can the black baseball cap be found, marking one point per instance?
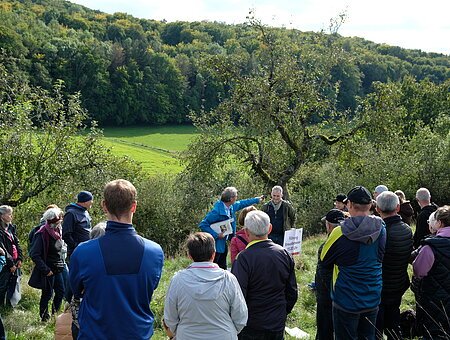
(335, 216)
(359, 195)
(341, 198)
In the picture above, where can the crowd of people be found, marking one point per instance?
(108, 273)
(362, 269)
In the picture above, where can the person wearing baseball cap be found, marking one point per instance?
(378, 190)
(339, 202)
(355, 249)
(322, 284)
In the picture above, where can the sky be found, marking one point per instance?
(412, 24)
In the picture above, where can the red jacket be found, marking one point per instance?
(236, 245)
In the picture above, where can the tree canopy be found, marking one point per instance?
(137, 71)
(281, 112)
(41, 146)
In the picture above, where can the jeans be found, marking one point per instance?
(67, 288)
(354, 326)
(54, 283)
(253, 334)
(221, 258)
(388, 320)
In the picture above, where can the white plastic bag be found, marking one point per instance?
(17, 294)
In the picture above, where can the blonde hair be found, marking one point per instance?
(401, 195)
(244, 213)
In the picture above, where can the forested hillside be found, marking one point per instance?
(138, 71)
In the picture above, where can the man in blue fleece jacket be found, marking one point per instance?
(117, 273)
(355, 249)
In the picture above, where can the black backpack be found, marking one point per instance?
(31, 236)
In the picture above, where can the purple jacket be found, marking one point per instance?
(425, 260)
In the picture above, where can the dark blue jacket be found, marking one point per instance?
(76, 226)
(218, 214)
(356, 249)
(117, 274)
(266, 274)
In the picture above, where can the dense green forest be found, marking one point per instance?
(314, 112)
(136, 71)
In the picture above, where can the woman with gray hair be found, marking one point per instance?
(47, 253)
(10, 244)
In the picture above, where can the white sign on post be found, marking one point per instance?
(293, 240)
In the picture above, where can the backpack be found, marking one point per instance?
(31, 236)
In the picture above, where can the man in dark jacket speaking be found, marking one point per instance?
(399, 244)
(266, 274)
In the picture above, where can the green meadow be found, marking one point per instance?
(155, 148)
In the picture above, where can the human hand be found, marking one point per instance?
(19, 264)
(220, 236)
(50, 273)
(262, 198)
(12, 269)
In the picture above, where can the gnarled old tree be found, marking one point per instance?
(39, 145)
(280, 112)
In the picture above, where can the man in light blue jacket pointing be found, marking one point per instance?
(225, 210)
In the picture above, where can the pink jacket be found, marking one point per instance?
(236, 245)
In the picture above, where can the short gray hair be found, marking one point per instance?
(381, 188)
(53, 214)
(423, 194)
(257, 222)
(387, 201)
(277, 188)
(98, 230)
(228, 194)
(5, 209)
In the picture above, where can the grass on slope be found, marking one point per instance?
(156, 148)
(166, 138)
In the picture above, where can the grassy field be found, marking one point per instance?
(23, 322)
(155, 148)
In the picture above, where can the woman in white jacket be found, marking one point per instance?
(204, 301)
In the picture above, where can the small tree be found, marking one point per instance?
(280, 113)
(39, 142)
